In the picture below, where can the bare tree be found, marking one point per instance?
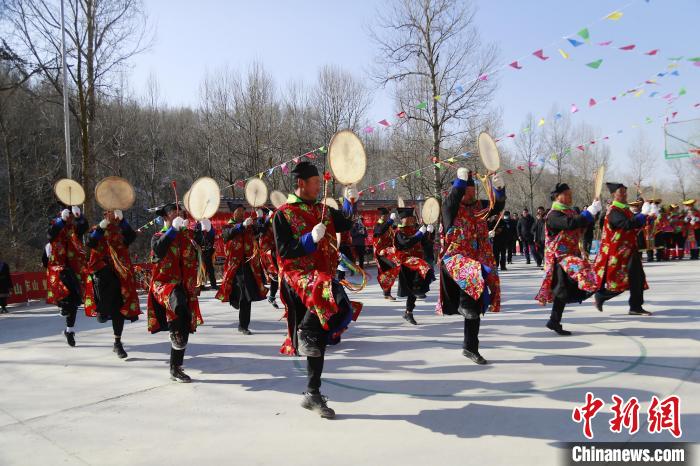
(432, 49)
(642, 163)
(558, 141)
(681, 169)
(528, 151)
(102, 36)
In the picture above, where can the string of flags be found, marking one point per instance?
(392, 182)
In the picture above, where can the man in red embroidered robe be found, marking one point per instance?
(172, 296)
(388, 261)
(415, 274)
(111, 290)
(242, 284)
(317, 307)
(65, 266)
(268, 253)
(569, 277)
(619, 264)
(469, 283)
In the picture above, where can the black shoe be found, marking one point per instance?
(4, 310)
(598, 303)
(420, 296)
(178, 375)
(388, 297)
(528, 261)
(215, 287)
(639, 312)
(244, 331)
(408, 317)
(119, 349)
(503, 269)
(558, 328)
(308, 344)
(317, 402)
(474, 356)
(273, 301)
(70, 337)
(102, 318)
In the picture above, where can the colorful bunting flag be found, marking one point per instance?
(591, 102)
(422, 105)
(574, 108)
(605, 44)
(511, 135)
(557, 116)
(639, 92)
(682, 91)
(628, 47)
(694, 59)
(675, 73)
(581, 147)
(401, 114)
(260, 175)
(369, 129)
(583, 33)
(574, 42)
(595, 64)
(385, 123)
(459, 90)
(540, 54)
(614, 16)
(563, 54)
(648, 120)
(296, 159)
(285, 169)
(269, 172)
(541, 122)
(651, 52)
(526, 130)
(484, 77)
(437, 97)
(516, 65)
(323, 149)
(653, 94)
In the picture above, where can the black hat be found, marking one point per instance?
(165, 209)
(614, 186)
(233, 205)
(305, 170)
(470, 179)
(383, 210)
(558, 189)
(405, 212)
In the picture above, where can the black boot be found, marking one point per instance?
(244, 331)
(598, 303)
(317, 402)
(119, 349)
(408, 317)
(557, 328)
(272, 300)
(178, 375)
(474, 356)
(388, 297)
(70, 337)
(639, 312)
(308, 344)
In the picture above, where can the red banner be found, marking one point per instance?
(17, 294)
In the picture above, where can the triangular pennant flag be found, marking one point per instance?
(285, 169)
(563, 54)
(459, 89)
(516, 65)
(484, 77)
(260, 175)
(403, 177)
(557, 116)
(694, 59)
(652, 52)
(697, 63)
(269, 172)
(511, 135)
(639, 92)
(553, 157)
(510, 172)
(672, 66)
(452, 160)
(437, 97)
(619, 131)
(675, 73)
(675, 58)
(673, 115)
(605, 44)
(532, 164)
(667, 96)
(422, 106)
(418, 173)
(384, 123)
(696, 105)
(648, 120)
(540, 54)
(401, 114)
(653, 94)
(581, 147)
(322, 149)
(650, 81)
(613, 98)
(595, 64)
(660, 75)
(310, 155)
(296, 159)
(574, 108)
(383, 186)
(628, 47)
(682, 91)
(369, 129)
(521, 168)
(438, 165)
(591, 102)
(583, 33)
(541, 122)
(526, 130)
(614, 16)
(393, 184)
(574, 42)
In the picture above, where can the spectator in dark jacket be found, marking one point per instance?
(510, 234)
(359, 235)
(5, 285)
(524, 227)
(538, 236)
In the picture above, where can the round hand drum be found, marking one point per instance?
(430, 211)
(115, 193)
(489, 153)
(346, 157)
(330, 202)
(69, 191)
(204, 198)
(278, 199)
(256, 192)
(598, 183)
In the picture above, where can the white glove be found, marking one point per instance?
(394, 216)
(497, 181)
(492, 234)
(178, 223)
(119, 215)
(595, 207)
(351, 192)
(259, 213)
(693, 220)
(431, 228)
(65, 215)
(185, 224)
(206, 224)
(269, 215)
(104, 223)
(423, 229)
(247, 222)
(47, 249)
(318, 232)
(654, 209)
(76, 211)
(646, 208)
(462, 173)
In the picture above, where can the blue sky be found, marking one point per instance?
(294, 38)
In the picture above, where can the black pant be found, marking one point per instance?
(557, 311)
(3, 302)
(636, 287)
(71, 313)
(499, 253)
(244, 314)
(208, 259)
(179, 327)
(360, 255)
(511, 251)
(410, 303)
(118, 323)
(274, 286)
(527, 247)
(471, 335)
(538, 252)
(314, 366)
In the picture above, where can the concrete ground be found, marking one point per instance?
(403, 394)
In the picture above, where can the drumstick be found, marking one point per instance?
(177, 202)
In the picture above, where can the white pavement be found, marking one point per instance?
(404, 395)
